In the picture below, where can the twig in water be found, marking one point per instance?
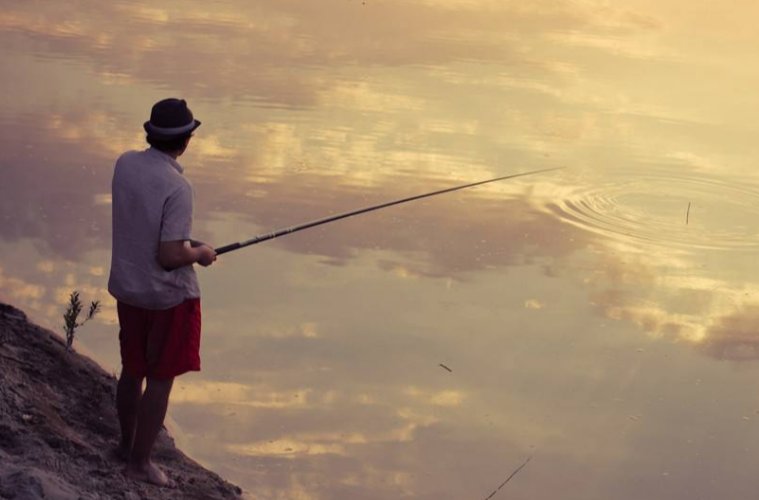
(516, 471)
(687, 214)
(443, 366)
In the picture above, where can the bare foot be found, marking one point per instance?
(149, 473)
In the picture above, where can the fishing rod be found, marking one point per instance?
(332, 218)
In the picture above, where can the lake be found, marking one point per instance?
(585, 333)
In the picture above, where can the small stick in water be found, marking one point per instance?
(442, 365)
(687, 214)
(508, 479)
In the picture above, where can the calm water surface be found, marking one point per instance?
(601, 320)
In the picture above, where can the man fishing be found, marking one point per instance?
(154, 282)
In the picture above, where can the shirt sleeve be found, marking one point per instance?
(176, 223)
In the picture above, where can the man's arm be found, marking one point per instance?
(180, 253)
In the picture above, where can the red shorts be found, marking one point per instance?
(160, 344)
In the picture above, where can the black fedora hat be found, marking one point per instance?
(170, 118)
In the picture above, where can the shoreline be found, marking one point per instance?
(58, 427)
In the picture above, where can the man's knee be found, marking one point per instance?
(159, 385)
(126, 380)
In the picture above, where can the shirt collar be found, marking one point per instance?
(166, 157)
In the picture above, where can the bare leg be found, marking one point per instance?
(150, 415)
(128, 395)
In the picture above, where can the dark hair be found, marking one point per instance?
(168, 145)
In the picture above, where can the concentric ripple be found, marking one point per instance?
(663, 209)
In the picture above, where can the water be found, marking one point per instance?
(599, 319)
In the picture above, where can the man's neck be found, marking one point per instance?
(174, 154)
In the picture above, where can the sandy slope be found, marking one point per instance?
(58, 427)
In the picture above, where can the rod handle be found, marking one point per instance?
(227, 248)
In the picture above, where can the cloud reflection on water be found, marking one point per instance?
(244, 50)
(735, 336)
(491, 230)
(322, 349)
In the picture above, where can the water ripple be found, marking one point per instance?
(669, 209)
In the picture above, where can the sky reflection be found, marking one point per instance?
(586, 322)
(243, 50)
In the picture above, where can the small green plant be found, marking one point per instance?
(71, 316)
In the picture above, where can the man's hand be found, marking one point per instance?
(180, 253)
(207, 255)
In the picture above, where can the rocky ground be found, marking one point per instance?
(58, 427)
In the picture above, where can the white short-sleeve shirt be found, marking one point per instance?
(152, 202)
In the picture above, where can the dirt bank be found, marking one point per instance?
(58, 427)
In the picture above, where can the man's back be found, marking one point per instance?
(152, 202)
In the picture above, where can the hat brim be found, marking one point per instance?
(170, 133)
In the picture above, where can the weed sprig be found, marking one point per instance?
(71, 316)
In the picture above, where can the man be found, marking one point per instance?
(154, 282)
